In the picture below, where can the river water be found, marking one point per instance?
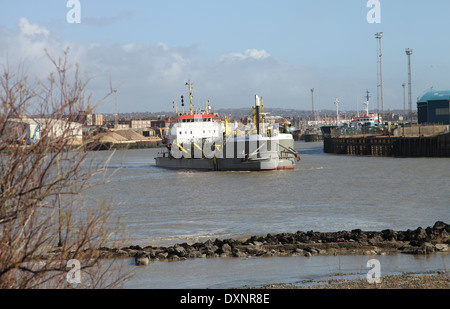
(325, 193)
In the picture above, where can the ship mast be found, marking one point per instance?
(190, 96)
(367, 103)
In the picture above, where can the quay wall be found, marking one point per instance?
(389, 146)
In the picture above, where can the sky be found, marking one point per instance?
(233, 50)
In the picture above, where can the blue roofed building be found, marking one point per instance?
(434, 107)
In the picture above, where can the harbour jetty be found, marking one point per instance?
(395, 141)
(435, 239)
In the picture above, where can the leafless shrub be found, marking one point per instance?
(42, 226)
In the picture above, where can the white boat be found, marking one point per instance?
(202, 141)
(367, 119)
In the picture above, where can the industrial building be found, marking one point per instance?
(434, 108)
(29, 130)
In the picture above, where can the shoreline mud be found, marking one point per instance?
(428, 280)
(435, 239)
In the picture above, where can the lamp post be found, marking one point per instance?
(312, 97)
(380, 94)
(409, 53)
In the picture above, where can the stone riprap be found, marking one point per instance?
(419, 241)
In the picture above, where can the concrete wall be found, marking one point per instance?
(421, 130)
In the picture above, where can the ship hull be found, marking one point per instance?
(279, 157)
(225, 164)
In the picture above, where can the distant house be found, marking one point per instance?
(434, 107)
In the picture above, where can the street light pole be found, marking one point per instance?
(409, 53)
(379, 36)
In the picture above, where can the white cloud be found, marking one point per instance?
(31, 29)
(151, 77)
(248, 54)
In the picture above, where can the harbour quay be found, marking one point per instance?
(396, 141)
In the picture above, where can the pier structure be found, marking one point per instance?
(415, 141)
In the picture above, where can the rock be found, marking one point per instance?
(389, 235)
(239, 253)
(162, 255)
(299, 251)
(426, 248)
(421, 234)
(226, 249)
(194, 254)
(369, 252)
(308, 254)
(142, 259)
(376, 240)
(179, 251)
(441, 247)
(174, 258)
(439, 225)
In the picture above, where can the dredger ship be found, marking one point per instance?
(202, 141)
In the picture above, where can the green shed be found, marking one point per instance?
(434, 107)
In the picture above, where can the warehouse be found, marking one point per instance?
(29, 130)
(434, 108)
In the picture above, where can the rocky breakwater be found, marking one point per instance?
(419, 241)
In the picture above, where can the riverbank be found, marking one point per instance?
(435, 239)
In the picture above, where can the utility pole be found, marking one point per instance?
(312, 95)
(409, 53)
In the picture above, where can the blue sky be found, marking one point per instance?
(233, 50)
